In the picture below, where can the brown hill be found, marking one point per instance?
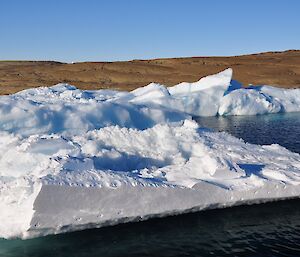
(272, 68)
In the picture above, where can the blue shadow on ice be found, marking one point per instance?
(252, 169)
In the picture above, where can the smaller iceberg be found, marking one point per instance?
(64, 108)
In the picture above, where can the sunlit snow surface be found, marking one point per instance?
(73, 159)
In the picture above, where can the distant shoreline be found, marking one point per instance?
(271, 68)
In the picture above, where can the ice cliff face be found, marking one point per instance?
(73, 159)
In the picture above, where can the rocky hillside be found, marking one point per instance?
(272, 68)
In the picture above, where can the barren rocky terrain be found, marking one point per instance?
(272, 68)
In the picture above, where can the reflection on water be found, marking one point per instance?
(283, 129)
(260, 230)
(271, 229)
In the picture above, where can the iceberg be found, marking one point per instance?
(74, 159)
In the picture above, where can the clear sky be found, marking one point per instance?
(108, 30)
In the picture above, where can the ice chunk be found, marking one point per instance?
(248, 102)
(221, 79)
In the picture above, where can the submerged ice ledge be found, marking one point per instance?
(72, 159)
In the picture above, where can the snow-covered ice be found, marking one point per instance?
(64, 108)
(73, 159)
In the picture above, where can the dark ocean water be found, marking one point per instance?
(282, 129)
(271, 229)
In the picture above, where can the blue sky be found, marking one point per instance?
(109, 30)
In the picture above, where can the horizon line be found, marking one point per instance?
(151, 59)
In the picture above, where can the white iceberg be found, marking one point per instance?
(73, 159)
